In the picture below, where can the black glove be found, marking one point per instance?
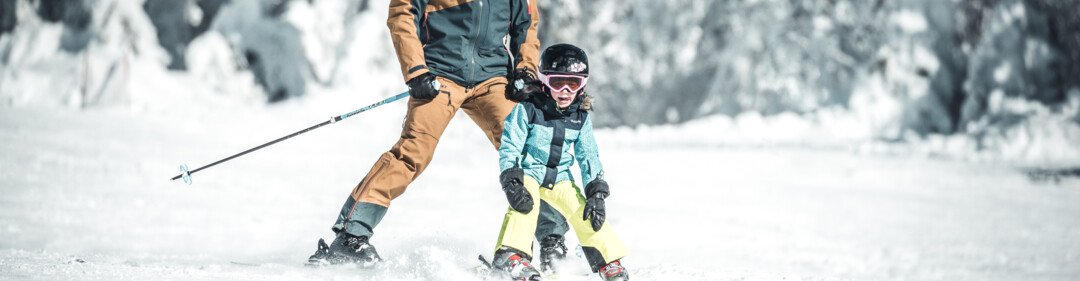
(595, 192)
(523, 84)
(519, 198)
(423, 87)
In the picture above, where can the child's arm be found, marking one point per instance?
(592, 174)
(587, 154)
(512, 143)
(512, 177)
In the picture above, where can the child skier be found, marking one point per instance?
(535, 159)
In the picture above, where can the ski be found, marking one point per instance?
(321, 256)
(248, 264)
(487, 270)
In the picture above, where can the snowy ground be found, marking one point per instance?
(86, 195)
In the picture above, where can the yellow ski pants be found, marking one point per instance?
(600, 247)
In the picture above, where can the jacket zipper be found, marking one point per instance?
(480, 29)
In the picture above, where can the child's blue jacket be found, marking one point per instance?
(537, 137)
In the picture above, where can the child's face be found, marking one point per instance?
(563, 98)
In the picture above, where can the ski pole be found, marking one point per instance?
(186, 175)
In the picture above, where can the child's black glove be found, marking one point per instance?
(519, 198)
(423, 87)
(522, 85)
(595, 192)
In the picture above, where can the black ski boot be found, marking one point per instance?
(516, 265)
(345, 249)
(614, 271)
(552, 248)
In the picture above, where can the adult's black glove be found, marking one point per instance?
(523, 84)
(423, 87)
(595, 192)
(519, 198)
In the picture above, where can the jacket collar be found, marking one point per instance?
(551, 109)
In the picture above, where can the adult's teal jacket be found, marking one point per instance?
(466, 41)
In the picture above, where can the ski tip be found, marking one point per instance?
(316, 263)
(321, 256)
(244, 263)
(484, 261)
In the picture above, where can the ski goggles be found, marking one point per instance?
(561, 82)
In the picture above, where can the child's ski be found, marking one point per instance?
(485, 268)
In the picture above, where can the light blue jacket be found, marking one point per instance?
(537, 137)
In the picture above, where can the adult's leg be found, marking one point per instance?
(600, 247)
(550, 222)
(395, 169)
(488, 107)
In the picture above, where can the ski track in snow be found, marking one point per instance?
(86, 196)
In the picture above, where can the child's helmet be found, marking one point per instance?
(564, 59)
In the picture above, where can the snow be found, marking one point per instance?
(212, 61)
(838, 193)
(910, 21)
(87, 195)
(1001, 73)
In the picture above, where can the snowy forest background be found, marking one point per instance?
(1003, 74)
(743, 140)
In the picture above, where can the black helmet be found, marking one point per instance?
(564, 59)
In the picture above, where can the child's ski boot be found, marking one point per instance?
(552, 248)
(516, 265)
(614, 271)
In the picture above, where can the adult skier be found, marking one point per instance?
(541, 138)
(452, 56)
